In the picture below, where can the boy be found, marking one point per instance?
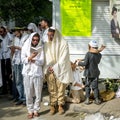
(91, 73)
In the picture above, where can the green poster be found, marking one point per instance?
(75, 17)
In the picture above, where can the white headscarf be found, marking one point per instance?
(28, 67)
(32, 26)
(57, 56)
(27, 44)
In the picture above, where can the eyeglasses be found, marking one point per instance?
(35, 40)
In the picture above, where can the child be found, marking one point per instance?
(91, 73)
(32, 73)
(77, 86)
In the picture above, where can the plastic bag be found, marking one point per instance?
(118, 93)
(96, 116)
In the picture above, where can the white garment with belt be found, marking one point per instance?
(76, 79)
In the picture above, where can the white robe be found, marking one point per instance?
(31, 69)
(57, 56)
(32, 73)
(77, 79)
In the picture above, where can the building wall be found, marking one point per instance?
(110, 63)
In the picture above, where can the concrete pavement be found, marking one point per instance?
(8, 110)
(109, 108)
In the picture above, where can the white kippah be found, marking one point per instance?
(93, 43)
(53, 28)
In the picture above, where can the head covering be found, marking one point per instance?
(53, 28)
(32, 26)
(27, 44)
(30, 68)
(93, 43)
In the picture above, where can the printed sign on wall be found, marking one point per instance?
(75, 17)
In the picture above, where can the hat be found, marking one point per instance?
(29, 27)
(32, 26)
(53, 28)
(93, 43)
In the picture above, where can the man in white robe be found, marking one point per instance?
(57, 69)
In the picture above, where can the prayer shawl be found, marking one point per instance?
(32, 69)
(57, 56)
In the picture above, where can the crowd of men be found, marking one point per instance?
(30, 56)
(23, 70)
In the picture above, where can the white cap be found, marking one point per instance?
(29, 27)
(32, 26)
(93, 43)
(53, 28)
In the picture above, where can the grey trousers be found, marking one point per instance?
(91, 83)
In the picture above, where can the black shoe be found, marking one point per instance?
(24, 103)
(97, 101)
(16, 100)
(11, 98)
(87, 101)
(19, 102)
(3, 93)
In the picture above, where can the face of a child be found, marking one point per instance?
(115, 14)
(35, 41)
(90, 48)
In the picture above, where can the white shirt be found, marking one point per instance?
(17, 55)
(76, 79)
(32, 69)
(5, 51)
(45, 36)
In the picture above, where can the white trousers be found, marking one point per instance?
(33, 90)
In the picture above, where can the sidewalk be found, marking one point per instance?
(8, 111)
(109, 108)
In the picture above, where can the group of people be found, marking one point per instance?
(43, 54)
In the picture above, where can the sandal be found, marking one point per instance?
(36, 114)
(30, 115)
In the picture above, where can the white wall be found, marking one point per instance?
(110, 63)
